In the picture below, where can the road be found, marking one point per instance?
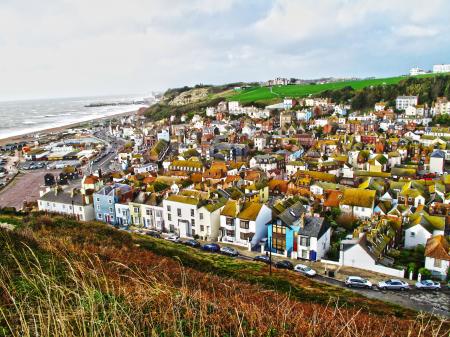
(113, 145)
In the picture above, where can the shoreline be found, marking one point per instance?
(29, 136)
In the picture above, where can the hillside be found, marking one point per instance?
(59, 277)
(266, 95)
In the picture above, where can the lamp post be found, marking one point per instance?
(270, 255)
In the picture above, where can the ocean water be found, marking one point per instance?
(20, 117)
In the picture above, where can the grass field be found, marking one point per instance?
(263, 94)
(62, 278)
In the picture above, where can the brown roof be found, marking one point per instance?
(437, 247)
(90, 180)
(333, 199)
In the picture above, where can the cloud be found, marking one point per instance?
(61, 48)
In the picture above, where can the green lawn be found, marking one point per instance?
(258, 94)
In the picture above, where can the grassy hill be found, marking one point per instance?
(265, 95)
(59, 277)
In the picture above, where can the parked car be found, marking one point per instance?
(302, 269)
(192, 243)
(393, 285)
(284, 264)
(229, 251)
(211, 247)
(154, 234)
(428, 285)
(357, 282)
(173, 238)
(262, 258)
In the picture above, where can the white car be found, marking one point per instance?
(173, 238)
(302, 269)
(393, 285)
(357, 282)
(428, 285)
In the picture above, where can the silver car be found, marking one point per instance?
(393, 285)
(428, 285)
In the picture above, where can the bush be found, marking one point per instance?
(420, 249)
(426, 274)
(411, 267)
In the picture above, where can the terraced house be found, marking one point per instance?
(293, 234)
(107, 197)
(244, 223)
(357, 202)
(146, 210)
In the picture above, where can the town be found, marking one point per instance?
(314, 184)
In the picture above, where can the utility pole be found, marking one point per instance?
(270, 256)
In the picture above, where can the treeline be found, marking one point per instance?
(427, 88)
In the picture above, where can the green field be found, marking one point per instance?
(263, 94)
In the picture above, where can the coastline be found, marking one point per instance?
(29, 136)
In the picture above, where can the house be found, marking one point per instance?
(244, 223)
(437, 256)
(71, 203)
(367, 248)
(146, 211)
(106, 198)
(421, 226)
(123, 217)
(402, 102)
(258, 191)
(180, 213)
(208, 224)
(260, 142)
(357, 202)
(267, 162)
(437, 160)
(292, 234)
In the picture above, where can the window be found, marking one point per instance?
(202, 228)
(179, 211)
(229, 221)
(168, 208)
(148, 212)
(169, 217)
(304, 254)
(136, 209)
(193, 222)
(48, 204)
(412, 234)
(279, 243)
(99, 215)
(192, 212)
(98, 207)
(437, 263)
(304, 241)
(244, 224)
(201, 216)
(98, 199)
(80, 208)
(111, 210)
(110, 201)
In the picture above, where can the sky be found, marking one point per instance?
(65, 48)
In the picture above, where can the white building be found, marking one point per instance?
(402, 102)
(233, 106)
(68, 203)
(417, 71)
(244, 224)
(260, 143)
(422, 227)
(437, 161)
(437, 256)
(442, 106)
(163, 135)
(122, 214)
(358, 202)
(441, 68)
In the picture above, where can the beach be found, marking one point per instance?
(30, 136)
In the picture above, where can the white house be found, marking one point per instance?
(260, 142)
(402, 102)
(293, 166)
(437, 256)
(244, 224)
(437, 159)
(208, 223)
(441, 68)
(421, 227)
(70, 203)
(358, 202)
(180, 213)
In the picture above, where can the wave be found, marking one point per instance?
(28, 122)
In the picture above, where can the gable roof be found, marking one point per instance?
(358, 197)
(438, 247)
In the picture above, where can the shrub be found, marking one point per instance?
(426, 274)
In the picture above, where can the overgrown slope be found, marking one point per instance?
(59, 277)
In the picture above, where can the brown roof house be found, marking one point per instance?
(437, 256)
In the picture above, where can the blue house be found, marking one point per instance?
(105, 201)
(293, 234)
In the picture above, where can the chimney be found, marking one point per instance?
(302, 220)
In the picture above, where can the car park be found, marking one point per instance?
(428, 285)
(393, 285)
(229, 251)
(262, 258)
(284, 264)
(211, 247)
(305, 270)
(192, 243)
(357, 282)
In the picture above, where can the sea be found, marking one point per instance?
(21, 117)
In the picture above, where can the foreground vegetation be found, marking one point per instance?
(59, 277)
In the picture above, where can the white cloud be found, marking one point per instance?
(73, 47)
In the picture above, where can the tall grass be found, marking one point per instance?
(50, 286)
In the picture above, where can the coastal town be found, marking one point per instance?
(338, 192)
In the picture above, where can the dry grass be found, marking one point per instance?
(54, 282)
